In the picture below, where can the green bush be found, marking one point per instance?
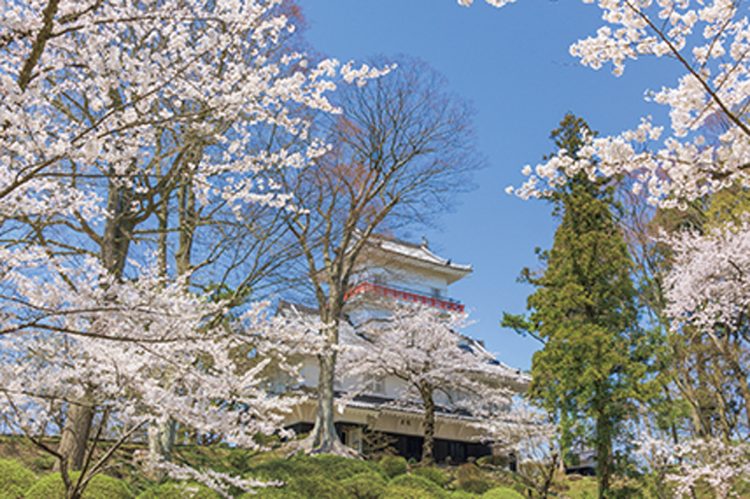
(467, 472)
(399, 492)
(179, 490)
(435, 475)
(502, 461)
(43, 463)
(273, 493)
(281, 469)
(461, 494)
(317, 486)
(653, 485)
(339, 468)
(501, 493)
(626, 487)
(302, 486)
(326, 465)
(478, 486)
(393, 465)
(238, 460)
(418, 482)
(310, 476)
(14, 479)
(471, 479)
(99, 487)
(365, 486)
(579, 487)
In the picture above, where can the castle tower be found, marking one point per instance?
(391, 269)
(400, 270)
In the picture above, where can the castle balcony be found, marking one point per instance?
(405, 294)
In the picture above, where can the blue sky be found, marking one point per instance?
(513, 64)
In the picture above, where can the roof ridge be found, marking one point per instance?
(398, 240)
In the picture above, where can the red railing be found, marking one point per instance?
(379, 289)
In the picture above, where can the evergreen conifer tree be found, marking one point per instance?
(584, 311)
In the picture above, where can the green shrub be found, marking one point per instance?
(626, 487)
(418, 482)
(273, 493)
(501, 461)
(467, 472)
(310, 476)
(280, 468)
(501, 493)
(43, 463)
(99, 487)
(399, 492)
(365, 486)
(477, 485)
(435, 475)
(317, 486)
(338, 467)
(14, 479)
(461, 494)
(302, 486)
(470, 478)
(264, 457)
(652, 485)
(179, 490)
(579, 487)
(238, 460)
(327, 475)
(393, 465)
(326, 465)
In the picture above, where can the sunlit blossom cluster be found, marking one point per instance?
(494, 3)
(708, 285)
(426, 351)
(705, 146)
(711, 463)
(127, 68)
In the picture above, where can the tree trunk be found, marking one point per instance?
(603, 454)
(161, 436)
(114, 248)
(549, 478)
(428, 402)
(75, 434)
(732, 353)
(325, 438)
(161, 439)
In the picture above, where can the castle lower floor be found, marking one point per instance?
(407, 446)
(370, 426)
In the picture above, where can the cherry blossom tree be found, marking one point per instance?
(712, 463)
(422, 347)
(528, 434)
(708, 297)
(109, 111)
(112, 356)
